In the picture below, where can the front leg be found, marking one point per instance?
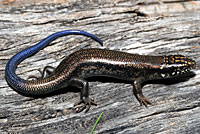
(84, 96)
(137, 90)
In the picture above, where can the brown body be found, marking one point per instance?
(102, 62)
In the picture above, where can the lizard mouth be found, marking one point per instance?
(192, 64)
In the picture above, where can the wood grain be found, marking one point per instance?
(130, 26)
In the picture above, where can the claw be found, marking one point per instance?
(80, 108)
(78, 103)
(87, 104)
(143, 100)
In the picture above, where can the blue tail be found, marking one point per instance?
(10, 74)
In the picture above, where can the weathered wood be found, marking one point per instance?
(129, 26)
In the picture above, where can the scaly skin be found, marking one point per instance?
(78, 66)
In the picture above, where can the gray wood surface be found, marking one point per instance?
(144, 27)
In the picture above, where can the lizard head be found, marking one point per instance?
(175, 65)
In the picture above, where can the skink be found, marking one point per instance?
(85, 63)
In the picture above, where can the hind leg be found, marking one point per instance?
(46, 72)
(84, 96)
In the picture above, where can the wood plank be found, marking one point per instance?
(127, 26)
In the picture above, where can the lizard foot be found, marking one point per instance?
(87, 104)
(143, 100)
